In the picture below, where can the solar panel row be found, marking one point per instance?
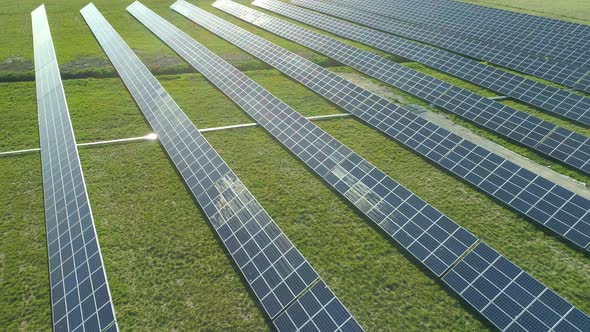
(548, 204)
(551, 99)
(571, 76)
(80, 296)
(344, 176)
(430, 236)
(461, 20)
(275, 270)
(570, 148)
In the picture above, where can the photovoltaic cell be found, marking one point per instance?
(509, 297)
(561, 73)
(546, 203)
(430, 236)
(80, 296)
(507, 30)
(274, 269)
(548, 98)
(502, 119)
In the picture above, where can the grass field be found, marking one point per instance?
(166, 268)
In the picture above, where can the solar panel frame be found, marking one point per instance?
(551, 99)
(80, 294)
(561, 73)
(450, 18)
(274, 269)
(507, 182)
(366, 187)
(516, 125)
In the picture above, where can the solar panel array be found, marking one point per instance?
(287, 126)
(501, 32)
(430, 236)
(568, 75)
(562, 144)
(562, 211)
(80, 296)
(548, 98)
(511, 21)
(550, 31)
(488, 25)
(274, 269)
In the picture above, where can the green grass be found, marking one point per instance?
(166, 268)
(86, 59)
(110, 113)
(24, 284)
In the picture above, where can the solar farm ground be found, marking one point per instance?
(167, 271)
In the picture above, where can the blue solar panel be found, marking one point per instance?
(430, 236)
(502, 119)
(317, 310)
(274, 269)
(501, 28)
(80, 295)
(509, 297)
(548, 98)
(372, 192)
(561, 73)
(491, 173)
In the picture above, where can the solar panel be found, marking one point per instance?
(548, 98)
(500, 30)
(546, 203)
(316, 310)
(521, 127)
(568, 75)
(509, 297)
(355, 178)
(274, 269)
(80, 295)
(427, 234)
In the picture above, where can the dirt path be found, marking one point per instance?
(444, 122)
